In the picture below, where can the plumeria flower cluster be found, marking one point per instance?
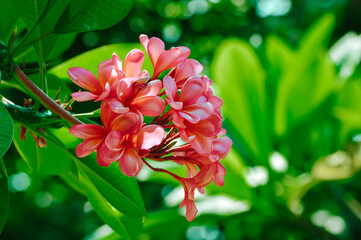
(186, 125)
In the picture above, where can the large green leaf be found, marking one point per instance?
(8, 18)
(121, 191)
(306, 79)
(241, 82)
(49, 160)
(317, 36)
(30, 12)
(89, 15)
(6, 130)
(127, 227)
(4, 193)
(62, 43)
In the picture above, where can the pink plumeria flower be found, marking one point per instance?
(133, 94)
(189, 68)
(185, 105)
(201, 134)
(96, 137)
(220, 149)
(128, 149)
(163, 59)
(109, 74)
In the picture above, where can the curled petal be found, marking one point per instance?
(125, 90)
(148, 137)
(84, 78)
(114, 140)
(144, 40)
(109, 155)
(202, 144)
(128, 123)
(196, 112)
(149, 105)
(106, 114)
(151, 89)
(178, 121)
(117, 62)
(130, 163)
(168, 59)
(222, 145)
(191, 91)
(102, 162)
(87, 131)
(155, 48)
(176, 105)
(83, 96)
(133, 63)
(170, 88)
(117, 106)
(220, 171)
(208, 127)
(105, 93)
(88, 146)
(187, 69)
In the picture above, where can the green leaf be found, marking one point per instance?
(62, 43)
(4, 193)
(317, 36)
(169, 221)
(241, 81)
(30, 12)
(49, 160)
(125, 226)
(8, 18)
(90, 15)
(119, 190)
(6, 130)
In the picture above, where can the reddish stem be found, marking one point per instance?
(44, 98)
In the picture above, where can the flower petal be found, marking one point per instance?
(106, 114)
(202, 144)
(222, 145)
(150, 89)
(166, 60)
(88, 146)
(170, 88)
(130, 163)
(102, 162)
(154, 49)
(208, 127)
(128, 123)
(187, 69)
(117, 106)
(149, 105)
(83, 96)
(133, 63)
(109, 155)
(114, 140)
(197, 111)
(105, 93)
(148, 137)
(87, 131)
(191, 91)
(84, 78)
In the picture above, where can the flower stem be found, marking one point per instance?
(45, 99)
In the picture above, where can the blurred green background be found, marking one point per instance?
(289, 74)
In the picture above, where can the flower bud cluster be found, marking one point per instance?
(183, 107)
